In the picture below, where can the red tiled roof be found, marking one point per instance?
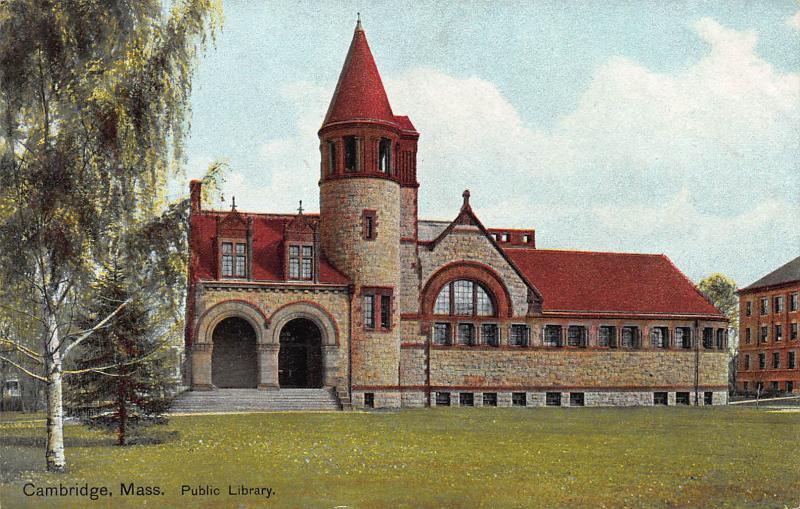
(405, 123)
(583, 281)
(267, 248)
(359, 94)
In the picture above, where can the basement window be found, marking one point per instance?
(519, 399)
(660, 398)
(466, 399)
(442, 399)
(576, 399)
(552, 399)
(708, 398)
(369, 399)
(681, 398)
(489, 399)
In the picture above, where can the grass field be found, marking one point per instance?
(450, 458)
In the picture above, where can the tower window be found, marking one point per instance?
(331, 157)
(301, 262)
(369, 220)
(385, 156)
(234, 259)
(351, 148)
(377, 308)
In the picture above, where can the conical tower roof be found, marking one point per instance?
(359, 95)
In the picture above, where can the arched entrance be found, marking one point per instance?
(300, 357)
(234, 359)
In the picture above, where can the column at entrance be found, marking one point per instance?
(330, 359)
(201, 367)
(268, 366)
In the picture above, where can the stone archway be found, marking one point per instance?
(300, 355)
(234, 359)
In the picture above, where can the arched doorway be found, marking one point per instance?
(234, 359)
(300, 357)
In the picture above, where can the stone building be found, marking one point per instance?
(769, 310)
(390, 310)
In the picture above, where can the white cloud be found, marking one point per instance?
(697, 163)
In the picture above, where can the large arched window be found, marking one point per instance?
(463, 298)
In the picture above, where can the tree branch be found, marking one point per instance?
(27, 351)
(26, 371)
(86, 333)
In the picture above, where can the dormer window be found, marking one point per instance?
(234, 259)
(301, 262)
(352, 162)
(385, 156)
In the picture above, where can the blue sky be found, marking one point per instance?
(659, 127)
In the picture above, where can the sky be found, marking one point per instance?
(635, 126)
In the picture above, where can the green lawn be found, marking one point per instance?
(450, 458)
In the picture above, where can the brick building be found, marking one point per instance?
(769, 310)
(392, 310)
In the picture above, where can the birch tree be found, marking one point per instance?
(94, 104)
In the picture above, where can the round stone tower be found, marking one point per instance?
(367, 158)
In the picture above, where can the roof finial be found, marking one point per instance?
(233, 203)
(465, 195)
(300, 208)
(358, 22)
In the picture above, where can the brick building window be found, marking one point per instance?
(552, 399)
(490, 334)
(778, 332)
(607, 336)
(748, 335)
(708, 398)
(778, 304)
(377, 308)
(441, 333)
(465, 334)
(683, 337)
(576, 399)
(442, 399)
(721, 339)
(708, 337)
(764, 334)
(552, 335)
(518, 335)
(234, 259)
(463, 298)
(369, 399)
(576, 336)
(658, 337)
(747, 361)
(466, 399)
(762, 361)
(489, 399)
(301, 262)
(681, 398)
(630, 337)
(369, 224)
(793, 331)
(776, 360)
(748, 308)
(764, 306)
(660, 398)
(352, 148)
(794, 302)
(791, 361)
(385, 156)
(519, 399)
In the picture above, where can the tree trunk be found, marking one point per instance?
(56, 461)
(123, 412)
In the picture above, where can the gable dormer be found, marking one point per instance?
(234, 245)
(301, 249)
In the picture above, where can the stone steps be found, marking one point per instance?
(249, 400)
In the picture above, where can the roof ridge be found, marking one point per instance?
(582, 251)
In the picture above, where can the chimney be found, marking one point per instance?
(196, 187)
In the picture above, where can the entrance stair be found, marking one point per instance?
(255, 400)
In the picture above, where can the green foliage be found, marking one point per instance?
(721, 290)
(134, 388)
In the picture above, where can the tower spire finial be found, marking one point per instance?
(465, 195)
(358, 22)
(300, 208)
(233, 203)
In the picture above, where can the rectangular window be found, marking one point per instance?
(466, 399)
(791, 361)
(489, 399)
(607, 336)
(681, 398)
(386, 311)
(519, 399)
(385, 156)
(466, 334)
(241, 260)
(793, 331)
(764, 306)
(708, 398)
(518, 335)
(462, 294)
(301, 262)
(490, 334)
(747, 361)
(775, 386)
(552, 335)
(630, 337)
(748, 308)
(778, 332)
(660, 398)
(683, 337)
(575, 399)
(778, 301)
(794, 302)
(442, 399)
(708, 337)
(789, 386)
(441, 333)
(369, 311)
(552, 399)
(227, 259)
(764, 334)
(351, 159)
(748, 335)
(331, 157)
(576, 336)
(369, 399)
(762, 361)
(776, 360)
(721, 333)
(658, 337)
(369, 224)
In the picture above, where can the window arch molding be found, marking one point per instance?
(479, 273)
